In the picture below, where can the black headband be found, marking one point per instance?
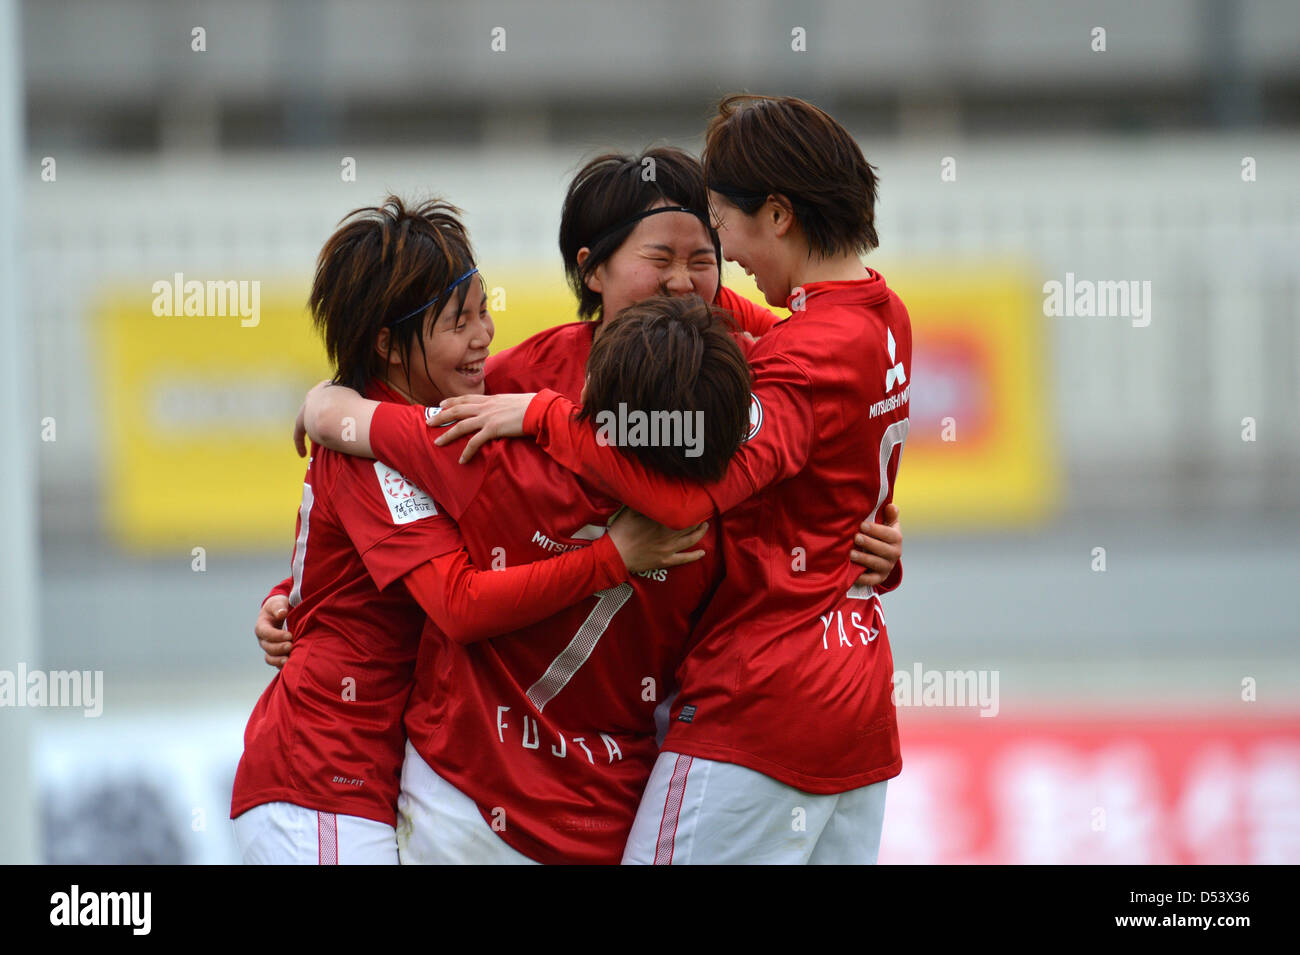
(650, 212)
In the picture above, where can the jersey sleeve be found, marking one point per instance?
(282, 589)
(399, 436)
(469, 604)
(777, 447)
(673, 501)
(394, 525)
(750, 317)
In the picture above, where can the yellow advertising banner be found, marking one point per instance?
(198, 413)
(981, 446)
(202, 380)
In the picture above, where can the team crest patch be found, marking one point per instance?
(755, 416)
(405, 501)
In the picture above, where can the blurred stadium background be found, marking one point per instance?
(1148, 693)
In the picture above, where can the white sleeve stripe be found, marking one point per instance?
(895, 436)
(300, 545)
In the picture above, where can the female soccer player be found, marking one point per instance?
(536, 745)
(784, 730)
(401, 309)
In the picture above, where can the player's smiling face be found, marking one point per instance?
(455, 347)
(753, 243)
(666, 254)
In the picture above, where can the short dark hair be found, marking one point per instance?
(382, 263)
(610, 190)
(670, 354)
(757, 146)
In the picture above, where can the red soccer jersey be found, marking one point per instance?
(551, 729)
(327, 732)
(555, 358)
(790, 673)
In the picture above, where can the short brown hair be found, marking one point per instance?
(607, 192)
(670, 354)
(381, 264)
(757, 146)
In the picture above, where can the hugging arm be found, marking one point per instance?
(469, 605)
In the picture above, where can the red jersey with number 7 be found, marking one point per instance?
(549, 729)
(790, 671)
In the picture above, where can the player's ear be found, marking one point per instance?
(593, 280)
(779, 211)
(384, 349)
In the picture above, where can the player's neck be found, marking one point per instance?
(400, 384)
(837, 268)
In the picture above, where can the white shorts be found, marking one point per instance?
(437, 824)
(280, 833)
(703, 812)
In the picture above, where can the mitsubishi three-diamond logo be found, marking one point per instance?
(895, 375)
